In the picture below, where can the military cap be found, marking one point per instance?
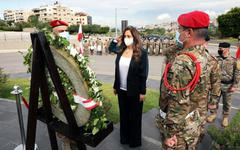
(195, 19)
(224, 45)
(56, 23)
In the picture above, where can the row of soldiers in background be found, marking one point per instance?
(97, 46)
(100, 45)
(156, 46)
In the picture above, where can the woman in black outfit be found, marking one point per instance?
(130, 86)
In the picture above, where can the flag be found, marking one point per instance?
(86, 103)
(80, 38)
(238, 52)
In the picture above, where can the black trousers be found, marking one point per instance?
(130, 119)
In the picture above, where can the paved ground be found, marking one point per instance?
(10, 135)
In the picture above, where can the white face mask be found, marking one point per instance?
(128, 41)
(65, 35)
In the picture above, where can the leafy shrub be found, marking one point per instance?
(226, 138)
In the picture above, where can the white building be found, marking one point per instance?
(49, 13)
(83, 17)
(67, 14)
(16, 15)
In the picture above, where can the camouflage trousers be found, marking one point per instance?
(150, 51)
(184, 142)
(226, 99)
(156, 51)
(86, 52)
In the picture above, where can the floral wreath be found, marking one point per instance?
(97, 120)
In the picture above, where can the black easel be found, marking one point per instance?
(42, 56)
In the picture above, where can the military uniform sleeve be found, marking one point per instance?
(236, 76)
(179, 76)
(113, 47)
(215, 79)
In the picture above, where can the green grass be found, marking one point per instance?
(151, 101)
(113, 114)
(8, 87)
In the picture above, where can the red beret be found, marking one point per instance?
(195, 19)
(56, 23)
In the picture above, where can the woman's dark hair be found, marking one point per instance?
(136, 42)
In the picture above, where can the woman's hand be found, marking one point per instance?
(115, 92)
(142, 97)
(119, 38)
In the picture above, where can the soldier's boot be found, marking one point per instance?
(211, 118)
(225, 122)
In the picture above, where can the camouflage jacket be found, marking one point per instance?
(169, 56)
(215, 80)
(183, 111)
(229, 70)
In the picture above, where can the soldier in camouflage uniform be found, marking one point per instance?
(229, 81)
(157, 47)
(99, 44)
(86, 48)
(145, 44)
(182, 118)
(151, 47)
(108, 41)
(92, 46)
(214, 93)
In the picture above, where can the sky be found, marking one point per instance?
(137, 12)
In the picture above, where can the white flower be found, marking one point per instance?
(73, 51)
(73, 107)
(80, 58)
(95, 88)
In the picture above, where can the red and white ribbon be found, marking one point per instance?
(86, 103)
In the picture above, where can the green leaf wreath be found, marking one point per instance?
(97, 120)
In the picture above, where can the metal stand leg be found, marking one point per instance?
(18, 93)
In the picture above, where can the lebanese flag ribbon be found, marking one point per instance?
(25, 102)
(86, 103)
(238, 52)
(80, 37)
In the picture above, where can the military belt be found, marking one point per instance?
(227, 82)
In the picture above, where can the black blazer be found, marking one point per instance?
(137, 75)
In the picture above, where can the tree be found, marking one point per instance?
(41, 25)
(10, 23)
(23, 24)
(33, 20)
(113, 30)
(89, 29)
(104, 30)
(229, 23)
(158, 31)
(73, 29)
(2, 23)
